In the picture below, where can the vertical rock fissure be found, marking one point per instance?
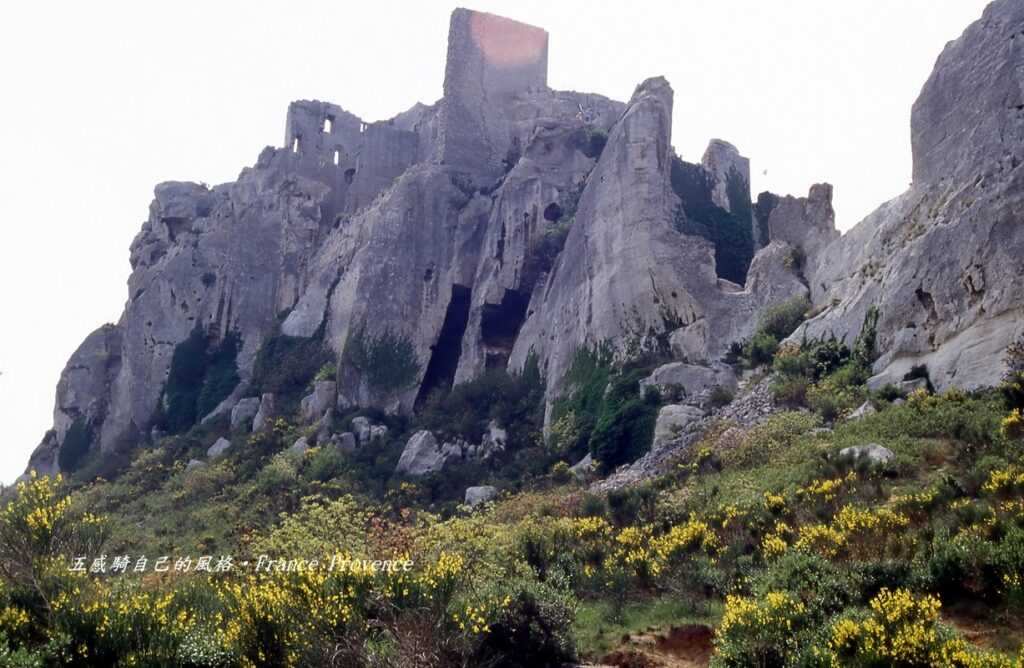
(444, 358)
(499, 326)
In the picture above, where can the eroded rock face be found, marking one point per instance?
(805, 223)
(627, 275)
(941, 262)
(509, 220)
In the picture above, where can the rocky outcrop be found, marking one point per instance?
(692, 382)
(509, 221)
(345, 441)
(478, 495)
(423, 455)
(219, 447)
(244, 411)
(83, 396)
(941, 262)
(805, 223)
(267, 411)
(628, 277)
(673, 421)
(322, 399)
(300, 446)
(872, 452)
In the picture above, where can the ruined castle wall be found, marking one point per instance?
(490, 59)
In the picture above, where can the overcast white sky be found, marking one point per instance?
(102, 100)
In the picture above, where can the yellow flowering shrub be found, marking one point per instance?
(759, 631)
(1005, 481)
(1012, 425)
(903, 629)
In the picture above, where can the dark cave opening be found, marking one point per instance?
(499, 326)
(444, 360)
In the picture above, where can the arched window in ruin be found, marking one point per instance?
(295, 144)
(328, 125)
(337, 156)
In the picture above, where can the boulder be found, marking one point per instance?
(583, 467)
(194, 464)
(218, 448)
(299, 446)
(862, 411)
(477, 495)
(322, 399)
(323, 428)
(673, 421)
(361, 427)
(874, 452)
(345, 441)
(265, 415)
(693, 381)
(422, 455)
(244, 412)
(378, 432)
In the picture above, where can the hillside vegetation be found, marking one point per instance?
(762, 545)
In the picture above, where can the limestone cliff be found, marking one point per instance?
(509, 220)
(942, 262)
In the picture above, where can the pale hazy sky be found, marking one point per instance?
(102, 100)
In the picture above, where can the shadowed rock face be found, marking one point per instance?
(510, 220)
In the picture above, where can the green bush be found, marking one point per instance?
(387, 360)
(221, 375)
(771, 438)
(199, 378)
(586, 381)
(790, 390)
(969, 565)
(543, 251)
(326, 463)
(286, 364)
(836, 396)
(185, 382)
(625, 428)
(1013, 383)
(761, 349)
(534, 629)
(762, 631)
(781, 320)
(823, 586)
(512, 400)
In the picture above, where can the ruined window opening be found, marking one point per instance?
(362, 127)
(337, 157)
(350, 175)
(328, 125)
(295, 145)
